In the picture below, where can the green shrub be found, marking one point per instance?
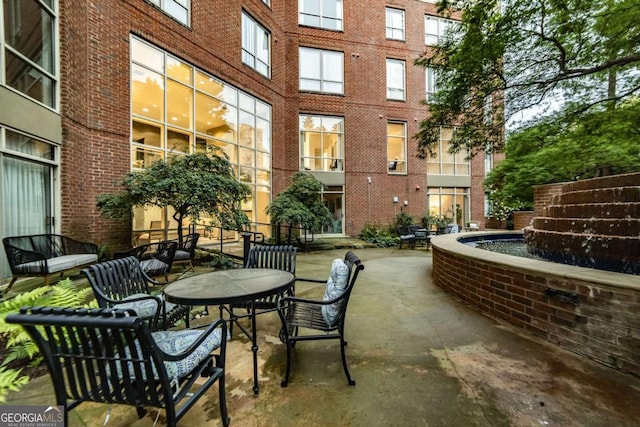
(378, 235)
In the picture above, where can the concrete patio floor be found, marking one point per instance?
(419, 358)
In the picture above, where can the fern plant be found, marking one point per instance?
(19, 345)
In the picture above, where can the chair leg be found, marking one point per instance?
(224, 416)
(13, 280)
(285, 381)
(343, 344)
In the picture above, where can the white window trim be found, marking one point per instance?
(322, 17)
(391, 89)
(442, 24)
(322, 80)
(404, 159)
(388, 27)
(256, 27)
(182, 4)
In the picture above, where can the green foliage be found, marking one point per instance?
(301, 204)
(378, 235)
(402, 220)
(429, 220)
(222, 262)
(10, 380)
(192, 185)
(19, 345)
(599, 142)
(528, 54)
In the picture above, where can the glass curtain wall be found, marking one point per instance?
(177, 109)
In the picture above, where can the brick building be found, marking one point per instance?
(92, 90)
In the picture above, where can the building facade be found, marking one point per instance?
(92, 90)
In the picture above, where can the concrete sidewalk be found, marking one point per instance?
(419, 358)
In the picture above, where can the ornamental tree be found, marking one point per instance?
(301, 204)
(193, 185)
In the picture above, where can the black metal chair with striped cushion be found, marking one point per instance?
(326, 316)
(156, 258)
(111, 356)
(122, 283)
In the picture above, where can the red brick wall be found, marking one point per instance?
(522, 219)
(603, 326)
(542, 196)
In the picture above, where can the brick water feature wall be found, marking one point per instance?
(590, 312)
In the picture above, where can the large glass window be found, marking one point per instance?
(256, 45)
(321, 143)
(397, 147)
(29, 49)
(178, 109)
(449, 204)
(325, 14)
(395, 79)
(445, 162)
(177, 9)
(321, 70)
(395, 23)
(435, 28)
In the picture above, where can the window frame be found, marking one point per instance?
(458, 161)
(51, 95)
(323, 83)
(392, 89)
(431, 83)
(328, 163)
(165, 7)
(321, 17)
(250, 50)
(442, 24)
(393, 164)
(389, 25)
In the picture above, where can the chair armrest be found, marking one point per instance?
(194, 345)
(302, 279)
(17, 256)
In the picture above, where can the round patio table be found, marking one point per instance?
(232, 286)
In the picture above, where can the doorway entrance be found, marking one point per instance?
(333, 197)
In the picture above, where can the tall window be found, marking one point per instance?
(321, 143)
(397, 148)
(321, 70)
(445, 162)
(178, 9)
(431, 82)
(256, 45)
(178, 109)
(395, 79)
(395, 23)
(435, 28)
(325, 14)
(29, 48)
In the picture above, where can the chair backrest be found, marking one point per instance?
(189, 243)
(281, 257)
(355, 267)
(99, 355)
(116, 279)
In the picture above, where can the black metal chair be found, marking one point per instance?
(111, 356)
(421, 235)
(156, 258)
(122, 283)
(326, 317)
(280, 257)
(406, 237)
(186, 250)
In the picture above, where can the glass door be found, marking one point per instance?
(333, 199)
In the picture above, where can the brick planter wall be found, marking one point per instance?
(522, 219)
(586, 311)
